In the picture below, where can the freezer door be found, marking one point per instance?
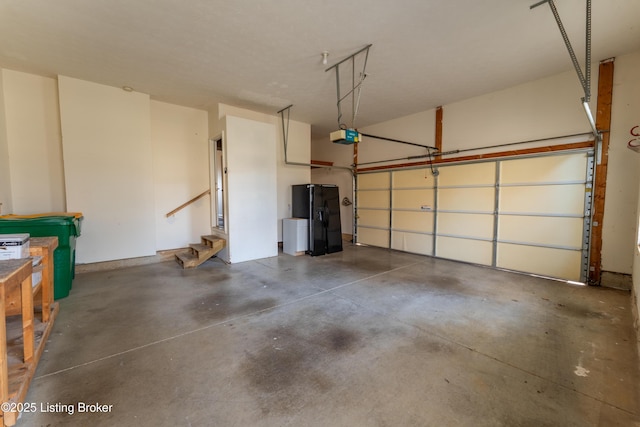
(318, 224)
(326, 232)
(333, 226)
(300, 206)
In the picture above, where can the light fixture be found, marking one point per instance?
(127, 88)
(325, 55)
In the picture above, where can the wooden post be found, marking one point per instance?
(355, 153)
(603, 124)
(438, 141)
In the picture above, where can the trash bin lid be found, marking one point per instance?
(73, 223)
(39, 215)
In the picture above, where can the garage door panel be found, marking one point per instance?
(467, 250)
(539, 225)
(373, 199)
(466, 225)
(373, 181)
(413, 178)
(548, 199)
(373, 237)
(470, 174)
(413, 221)
(412, 242)
(412, 199)
(565, 168)
(373, 218)
(466, 199)
(553, 231)
(559, 263)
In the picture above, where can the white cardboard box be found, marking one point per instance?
(36, 275)
(14, 246)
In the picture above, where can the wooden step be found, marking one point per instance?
(188, 260)
(198, 253)
(214, 242)
(201, 251)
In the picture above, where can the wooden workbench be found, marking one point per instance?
(44, 247)
(22, 335)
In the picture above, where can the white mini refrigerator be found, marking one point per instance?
(295, 236)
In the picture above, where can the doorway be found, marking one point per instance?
(217, 183)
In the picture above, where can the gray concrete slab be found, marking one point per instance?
(365, 337)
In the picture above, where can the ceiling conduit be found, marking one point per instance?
(585, 78)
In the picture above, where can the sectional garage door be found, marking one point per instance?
(527, 214)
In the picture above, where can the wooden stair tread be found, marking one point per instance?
(213, 240)
(187, 260)
(211, 237)
(202, 251)
(198, 253)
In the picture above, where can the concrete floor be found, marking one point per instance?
(365, 337)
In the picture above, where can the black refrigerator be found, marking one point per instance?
(320, 204)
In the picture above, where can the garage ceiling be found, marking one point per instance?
(265, 55)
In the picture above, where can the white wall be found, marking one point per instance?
(34, 141)
(179, 139)
(539, 109)
(417, 128)
(6, 205)
(108, 169)
(250, 151)
(161, 147)
(620, 216)
(298, 150)
(543, 108)
(636, 267)
(624, 170)
(519, 113)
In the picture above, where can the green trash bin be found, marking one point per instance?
(66, 228)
